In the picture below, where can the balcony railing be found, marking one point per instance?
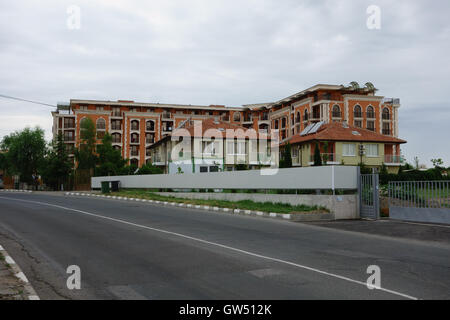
(326, 157)
(388, 158)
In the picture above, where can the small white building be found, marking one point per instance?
(212, 146)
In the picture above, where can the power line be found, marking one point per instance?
(25, 100)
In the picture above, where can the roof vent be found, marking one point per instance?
(221, 129)
(356, 133)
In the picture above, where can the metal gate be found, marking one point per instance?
(369, 196)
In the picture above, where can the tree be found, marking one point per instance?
(437, 163)
(325, 155)
(109, 160)
(24, 153)
(58, 166)
(85, 154)
(317, 157)
(287, 157)
(150, 169)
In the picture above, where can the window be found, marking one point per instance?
(336, 112)
(116, 111)
(116, 124)
(358, 123)
(240, 147)
(203, 169)
(283, 123)
(298, 119)
(69, 123)
(100, 108)
(134, 125)
(372, 150)
(386, 128)
(348, 149)
(276, 124)
(210, 147)
(134, 138)
(386, 114)
(370, 112)
(305, 115)
(294, 152)
(116, 138)
(214, 169)
(101, 124)
(150, 125)
(134, 150)
(134, 162)
(357, 112)
(230, 147)
(236, 116)
(371, 125)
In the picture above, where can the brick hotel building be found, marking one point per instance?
(136, 126)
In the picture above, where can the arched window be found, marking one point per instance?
(236, 116)
(101, 124)
(357, 112)
(150, 125)
(118, 148)
(283, 123)
(386, 114)
(336, 112)
(370, 112)
(134, 138)
(298, 119)
(276, 124)
(305, 116)
(134, 125)
(116, 138)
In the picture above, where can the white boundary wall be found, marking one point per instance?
(325, 177)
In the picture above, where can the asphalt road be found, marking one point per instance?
(134, 250)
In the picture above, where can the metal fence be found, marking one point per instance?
(369, 196)
(422, 201)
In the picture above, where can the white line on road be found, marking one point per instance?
(218, 245)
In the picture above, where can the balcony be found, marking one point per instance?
(388, 158)
(330, 158)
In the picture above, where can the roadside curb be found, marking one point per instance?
(15, 190)
(270, 215)
(18, 273)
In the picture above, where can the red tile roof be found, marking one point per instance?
(213, 128)
(337, 132)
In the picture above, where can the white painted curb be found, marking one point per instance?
(189, 205)
(30, 292)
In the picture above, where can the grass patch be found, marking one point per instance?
(243, 204)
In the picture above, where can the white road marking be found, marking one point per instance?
(333, 275)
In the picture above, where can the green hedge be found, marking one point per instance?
(415, 175)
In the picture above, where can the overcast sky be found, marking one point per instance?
(227, 52)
